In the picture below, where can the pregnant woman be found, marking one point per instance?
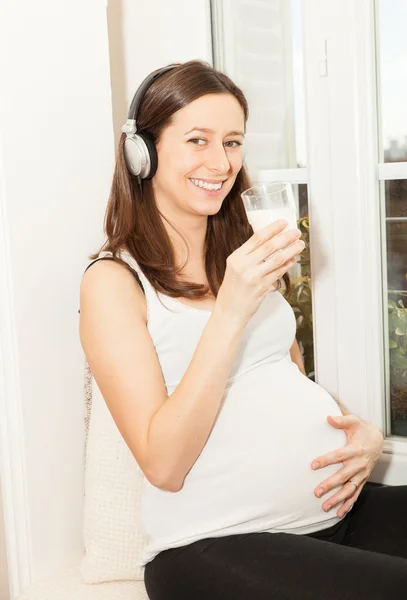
(193, 347)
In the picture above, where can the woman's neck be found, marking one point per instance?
(188, 241)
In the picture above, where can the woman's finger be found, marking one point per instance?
(347, 491)
(262, 235)
(344, 421)
(271, 278)
(348, 504)
(354, 466)
(275, 244)
(277, 260)
(336, 456)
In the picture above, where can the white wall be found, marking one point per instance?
(56, 145)
(56, 162)
(144, 36)
(4, 586)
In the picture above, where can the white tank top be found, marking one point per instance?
(254, 473)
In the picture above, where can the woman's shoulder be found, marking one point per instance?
(109, 284)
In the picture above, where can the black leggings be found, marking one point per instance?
(362, 557)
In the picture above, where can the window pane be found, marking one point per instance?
(259, 46)
(396, 246)
(396, 194)
(300, 297)
(392, 58)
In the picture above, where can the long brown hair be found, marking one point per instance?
(133, 222)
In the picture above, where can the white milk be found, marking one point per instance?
(263, 216)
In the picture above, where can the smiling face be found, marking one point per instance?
(199, 156)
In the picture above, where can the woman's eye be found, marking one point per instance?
(229, 144)
(233, 142)
(195, 140)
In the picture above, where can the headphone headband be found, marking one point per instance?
(139, 149)
(131, 124)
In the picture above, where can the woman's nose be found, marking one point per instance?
(217, 159)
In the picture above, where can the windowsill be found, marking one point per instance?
(391, 468)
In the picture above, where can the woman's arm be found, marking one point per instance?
(296, 356)
(165, 434)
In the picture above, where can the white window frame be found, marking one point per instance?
(347, 212)
(350, 185)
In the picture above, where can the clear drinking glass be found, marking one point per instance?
(269, 202)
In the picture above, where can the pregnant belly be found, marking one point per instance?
(272, 425)
(255, 469)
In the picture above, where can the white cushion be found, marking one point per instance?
(69, 585)
(112, 536)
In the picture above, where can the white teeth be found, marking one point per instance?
(207, 186)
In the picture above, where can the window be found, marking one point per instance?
(337, 129)
(392, 66)
(259, 44)
(391, 23)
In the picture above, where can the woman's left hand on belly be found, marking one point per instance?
(359, 457)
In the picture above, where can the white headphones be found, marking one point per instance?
(139, 149)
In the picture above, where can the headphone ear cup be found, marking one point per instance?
(140, 155)
(135, 154)
(152, 154)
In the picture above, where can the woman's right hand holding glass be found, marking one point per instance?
(254, 268)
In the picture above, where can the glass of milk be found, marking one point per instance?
(269, 202)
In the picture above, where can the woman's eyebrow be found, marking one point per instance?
(206, 130)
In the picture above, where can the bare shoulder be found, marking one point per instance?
(121, 354)
(107, 286)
